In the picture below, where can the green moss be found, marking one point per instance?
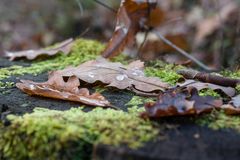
(4, 85)
(209, 92)
(139, 101)
(238, 88)
(83, 50)
(219, 120)
(166, 72)
(46, 133)
(235, 74)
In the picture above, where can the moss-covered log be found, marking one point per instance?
(62, 130)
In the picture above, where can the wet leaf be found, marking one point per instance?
(57, 88)
(116, 75)
(133, 16)
(181, 102)
(64, 47)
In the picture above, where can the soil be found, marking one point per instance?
(179, 138)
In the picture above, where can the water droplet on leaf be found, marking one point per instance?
(90, 74)
(120, 77)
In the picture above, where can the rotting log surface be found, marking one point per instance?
(186, 141)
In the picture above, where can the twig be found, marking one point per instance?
(106, 6)
(181, 51)
(142, 44)
(209, 78)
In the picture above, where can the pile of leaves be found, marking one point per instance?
(133, 17)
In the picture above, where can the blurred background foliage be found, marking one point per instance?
(209, 29)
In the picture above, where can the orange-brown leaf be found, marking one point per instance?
(57, 88)
(132, 16)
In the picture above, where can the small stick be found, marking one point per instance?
(142, 44)
(80, 7)
(209, 78)
(106, 6)
(181, 51)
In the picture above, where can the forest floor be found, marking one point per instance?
(179, 138)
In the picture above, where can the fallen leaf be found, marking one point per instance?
(181, 102)
(229, 91)
(116, 75)
(57, 88)
(64, 47)
(236, 101)
(132, 17)
(230, 109)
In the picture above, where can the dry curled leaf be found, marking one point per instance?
(229, 91)
(181, 102)
(64, 47)
(132, 17)
(116, 75)
(57, 88)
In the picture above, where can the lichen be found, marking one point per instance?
(166, 72)
(47, 133)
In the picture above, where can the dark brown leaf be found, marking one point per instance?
(116, 75)
(57, 88)
(64, 47)
(132, 17)
(181, 102)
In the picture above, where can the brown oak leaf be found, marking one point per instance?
(181, 102)
(57, 88)
(234, 106)
(116, 75)
(132, 17)
(64, 47)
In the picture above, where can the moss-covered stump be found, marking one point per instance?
(42, 128)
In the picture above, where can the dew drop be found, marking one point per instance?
(120, 77)
(30, 51)
(137, 73)
(91, 75)
(32, 87)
